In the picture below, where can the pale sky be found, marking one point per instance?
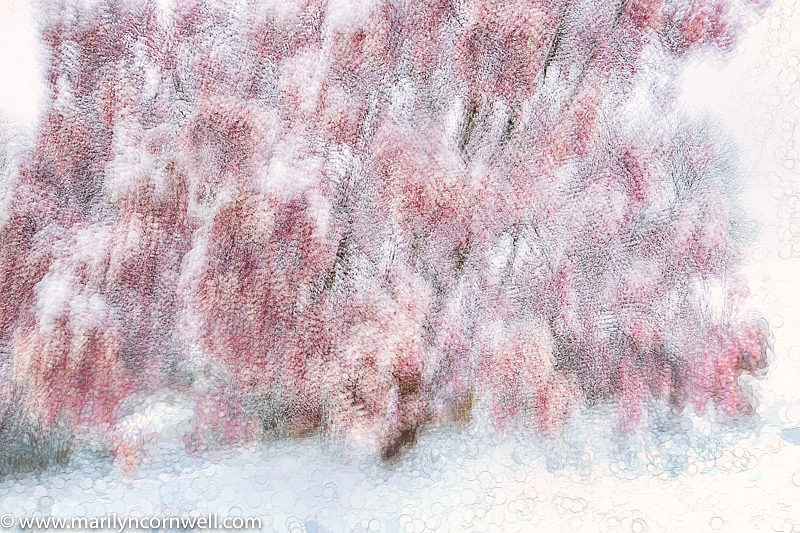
(21, 87)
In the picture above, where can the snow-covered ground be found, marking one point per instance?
(695, 477)
(691, 477)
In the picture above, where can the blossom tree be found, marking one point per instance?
(366, 218)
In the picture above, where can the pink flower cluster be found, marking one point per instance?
(363, 217)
